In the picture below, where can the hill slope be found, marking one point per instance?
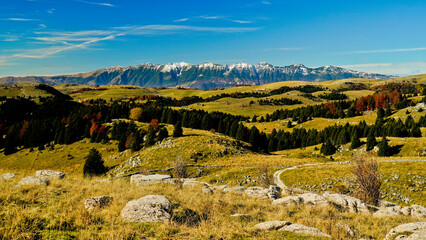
(202, 76)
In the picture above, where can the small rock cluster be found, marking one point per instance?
(290, 227)
(42, 178)
(412, 231)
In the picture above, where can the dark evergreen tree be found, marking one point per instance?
(162, 134)
(388, 111)
(254, 138)
(384, 149)
(355, 142)
(371, 140)
(94, 165)
(178, 131)
(289, 124)
(415, 131)
(241, 133)
(122, 143)
(150, 137)
(328, 148)
(137, 141)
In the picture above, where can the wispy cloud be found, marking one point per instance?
(291, 48)
(97, 3)
(181, 20)
(42, 26)
(266, 2)
(71, 40)
(241, 21)
(211, 17)
(18, 19)
(401, 69)
(51, 11)
(386, 50)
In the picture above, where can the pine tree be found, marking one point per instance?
(355, 142)
(384, 149)
(328, 148)
(254, 138)
(94, 165)
(241, 133)
(162, 134)
(150, 137)
(371, 140)
(122, 143)
(289, 124)
(137, 142)
(178, 131)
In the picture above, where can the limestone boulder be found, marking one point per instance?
(388, 211)
(347, 203)
(151, 208)
(290, 200)
(52, 174)
(33, 181)
(271, 225)
(302, 229)
(143, 180)
(313, 199)
(7, 176)
(412, 228)
(97, 202)
(418, 211)
(261, 192)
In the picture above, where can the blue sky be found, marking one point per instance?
(44, 37)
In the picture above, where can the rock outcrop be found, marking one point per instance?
(413, 229)
(271, 225)
(262, 192)
(97, 202)
(151, 208)
(143, 180)
(33, 181)
(302, 229)
(347, 203)
(52, 174)
(7, 176)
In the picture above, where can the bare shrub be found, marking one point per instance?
(179, 171)
(367, 179)
(264, 176)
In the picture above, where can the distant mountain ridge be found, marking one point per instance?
(202, 76)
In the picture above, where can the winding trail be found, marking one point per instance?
(279, 182)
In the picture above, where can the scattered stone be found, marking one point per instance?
(191, 182)
(50, 174)
(347, 203)
(206, 189)
(271, 225)
(351, 231)
(285, 201)
(7, 176)
(261, 192)
(386, 204)
(418, 211)
(143, 180)
(415, 227)
(314, 199)
(33, 181)
(97, 202)
(299, 228)
(388, 212)
(151, 208)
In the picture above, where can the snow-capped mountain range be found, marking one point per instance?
(203, 76)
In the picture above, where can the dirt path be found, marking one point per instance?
(279, 182)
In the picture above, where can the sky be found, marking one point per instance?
(47, 37)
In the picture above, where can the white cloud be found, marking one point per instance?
(407, 68)
(387, 50)
(19, 19)
(42, 26)
(211, 17)
(181, 20)
(240, 21)
(50, 11)
(97, 3)
(291, 49)
(266, 2)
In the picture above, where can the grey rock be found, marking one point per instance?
(33, 181)
(206, 189)
(406, 211)
(418, 235)
(97, 202)
(299, 228)
(271, 225)
(260, 192)
(408, 227)
(351, 231)
(388, 212)
(50, 174)
(386, 204)
(418, 211)
(143, 180)
(7, 176)
(191, 182)
(285, 201)
(347, 203)
(314, 199)
(151, 208)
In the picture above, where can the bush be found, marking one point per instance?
(94, 165)
(384, 149)
(368, 180)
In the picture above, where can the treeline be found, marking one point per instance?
(333, 96)
(279, 102)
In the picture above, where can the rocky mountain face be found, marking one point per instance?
(202, 76)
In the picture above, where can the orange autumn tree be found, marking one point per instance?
(136, 113)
